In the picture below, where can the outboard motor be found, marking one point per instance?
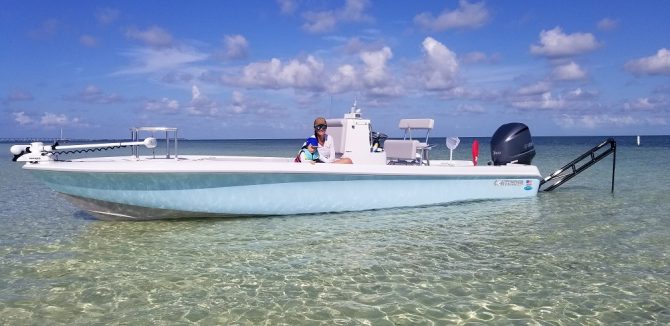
(512, 143)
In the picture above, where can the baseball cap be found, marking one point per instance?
(312, 141)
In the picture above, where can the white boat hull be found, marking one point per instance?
(114, 188)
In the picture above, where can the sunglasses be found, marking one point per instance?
(321, 127)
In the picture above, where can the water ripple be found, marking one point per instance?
(577, 256)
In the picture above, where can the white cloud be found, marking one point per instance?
(534, 89)
(106, 16)
(164, 105)
(375, 65)
(51, 119)
(153, 60)
(237, 47)
(306, 74)
(468, 15)
(543, 101)
(354, 11)
(569, 71)
(345, 79)
(479, 57)
(319, 22)
(237, 104)
(94, 95)
(325, 21)
(554, 43)
(646, 103)
(462, 92)
(607, 24)
(88, 40)
(287, 7)
(18, 95)
(595, 121)
(356, 45)
(59, 120)
(310, 74)
(201, 105)
(48, 120)
(579, 94)
(376, 78)
(658, 64)
(241, 105)
(152, 36)
(656, 121)
(541, 96)
(22, 118)
(440, 65)
(464, 109)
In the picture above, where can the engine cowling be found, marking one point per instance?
(512, 143)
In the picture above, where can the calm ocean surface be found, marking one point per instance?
(576, 255)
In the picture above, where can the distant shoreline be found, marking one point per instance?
(75, 140)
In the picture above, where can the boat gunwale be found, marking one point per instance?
(223, 164)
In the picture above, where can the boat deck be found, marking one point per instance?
(251, 164)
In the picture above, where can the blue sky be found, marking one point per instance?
(265, 69)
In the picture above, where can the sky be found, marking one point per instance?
(265, 69)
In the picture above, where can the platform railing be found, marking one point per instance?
(135, 135)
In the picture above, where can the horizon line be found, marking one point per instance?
(50, 139)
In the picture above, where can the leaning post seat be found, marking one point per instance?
(401, 151)
(407, 125)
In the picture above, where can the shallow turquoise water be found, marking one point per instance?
(576, 255)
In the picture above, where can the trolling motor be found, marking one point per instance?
(38, 152)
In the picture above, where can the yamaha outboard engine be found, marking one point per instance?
(512, 143)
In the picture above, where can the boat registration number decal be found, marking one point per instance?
(526, 184)
(508, 183)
